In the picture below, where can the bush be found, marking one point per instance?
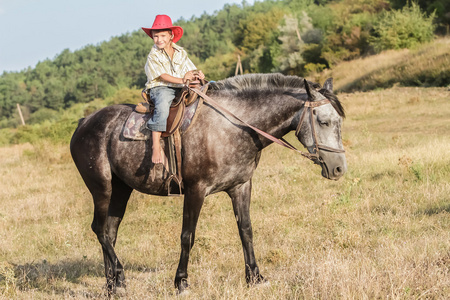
(54, 132)
(404, 28)
(124, 96)
(43, 114)
(6, 135)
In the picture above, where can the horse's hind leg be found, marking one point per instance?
(240, 196)
(110, 200)
(119, 198)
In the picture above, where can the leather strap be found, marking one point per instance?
(177, 141)
(281, 142)
(308, 105)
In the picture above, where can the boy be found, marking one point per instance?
(168, 68)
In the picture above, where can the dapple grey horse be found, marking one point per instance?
(219, 154)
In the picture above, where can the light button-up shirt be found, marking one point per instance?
(159, 62)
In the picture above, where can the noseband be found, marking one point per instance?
(309, 107)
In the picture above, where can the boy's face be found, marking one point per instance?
(162, 38)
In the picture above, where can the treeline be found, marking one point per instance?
(289, 36)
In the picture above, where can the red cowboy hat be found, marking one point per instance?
(164, 22)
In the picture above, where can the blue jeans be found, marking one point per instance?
(162, 97)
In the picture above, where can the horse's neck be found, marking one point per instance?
(271, 113)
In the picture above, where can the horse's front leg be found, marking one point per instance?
(240, 196)
(193, 201)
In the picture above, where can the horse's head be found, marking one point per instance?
(319, 130)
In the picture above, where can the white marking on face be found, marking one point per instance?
(328, 126)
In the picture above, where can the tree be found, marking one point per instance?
(289, 59)
(440, 8)
(258, 29)
(53, 94)
(404, 28)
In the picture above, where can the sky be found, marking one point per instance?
(34, 30)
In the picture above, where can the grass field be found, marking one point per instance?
(382, 231)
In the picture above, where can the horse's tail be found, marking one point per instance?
(80, 121)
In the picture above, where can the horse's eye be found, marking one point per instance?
(323, 123)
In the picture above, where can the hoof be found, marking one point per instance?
(262, 284)
(183, 293)
(183, 288)
(121, 292)
(118, 290)
(257, 281)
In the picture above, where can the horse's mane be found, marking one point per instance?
(273, 82)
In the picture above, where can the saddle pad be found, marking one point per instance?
(134, 127)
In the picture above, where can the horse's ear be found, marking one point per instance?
(308, 89)
(313, 95)
(328, 85)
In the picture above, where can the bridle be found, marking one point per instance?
(309, 107)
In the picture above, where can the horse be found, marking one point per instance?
(219, 154)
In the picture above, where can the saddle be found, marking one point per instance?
(184, 98)
(182, 114)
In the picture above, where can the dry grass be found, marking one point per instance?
(428, 65)
(383, 231)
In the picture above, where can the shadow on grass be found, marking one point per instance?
(434, 210)
(45, 276)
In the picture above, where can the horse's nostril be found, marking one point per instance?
(337, 171)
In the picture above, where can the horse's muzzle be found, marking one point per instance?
(334, 165)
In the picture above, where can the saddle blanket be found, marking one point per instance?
(134, 128)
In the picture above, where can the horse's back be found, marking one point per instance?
(102, 119)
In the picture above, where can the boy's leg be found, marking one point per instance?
(156, 148)
(162, 98)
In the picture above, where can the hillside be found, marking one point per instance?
(424, 66)
(295, 37)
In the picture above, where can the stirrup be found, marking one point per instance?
(178, 182)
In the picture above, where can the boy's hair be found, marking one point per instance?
(161, 30)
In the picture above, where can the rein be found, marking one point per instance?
(309, 105)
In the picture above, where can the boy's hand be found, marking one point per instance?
(188, 76)
(200, 75)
